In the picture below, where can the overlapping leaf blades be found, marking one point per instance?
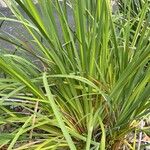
(96, 75)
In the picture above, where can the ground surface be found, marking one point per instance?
(12, 28)
(18, 30)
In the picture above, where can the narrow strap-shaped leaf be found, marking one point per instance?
(58, 114)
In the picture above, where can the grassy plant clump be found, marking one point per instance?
(87, 86)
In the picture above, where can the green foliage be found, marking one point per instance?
(90, 87)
